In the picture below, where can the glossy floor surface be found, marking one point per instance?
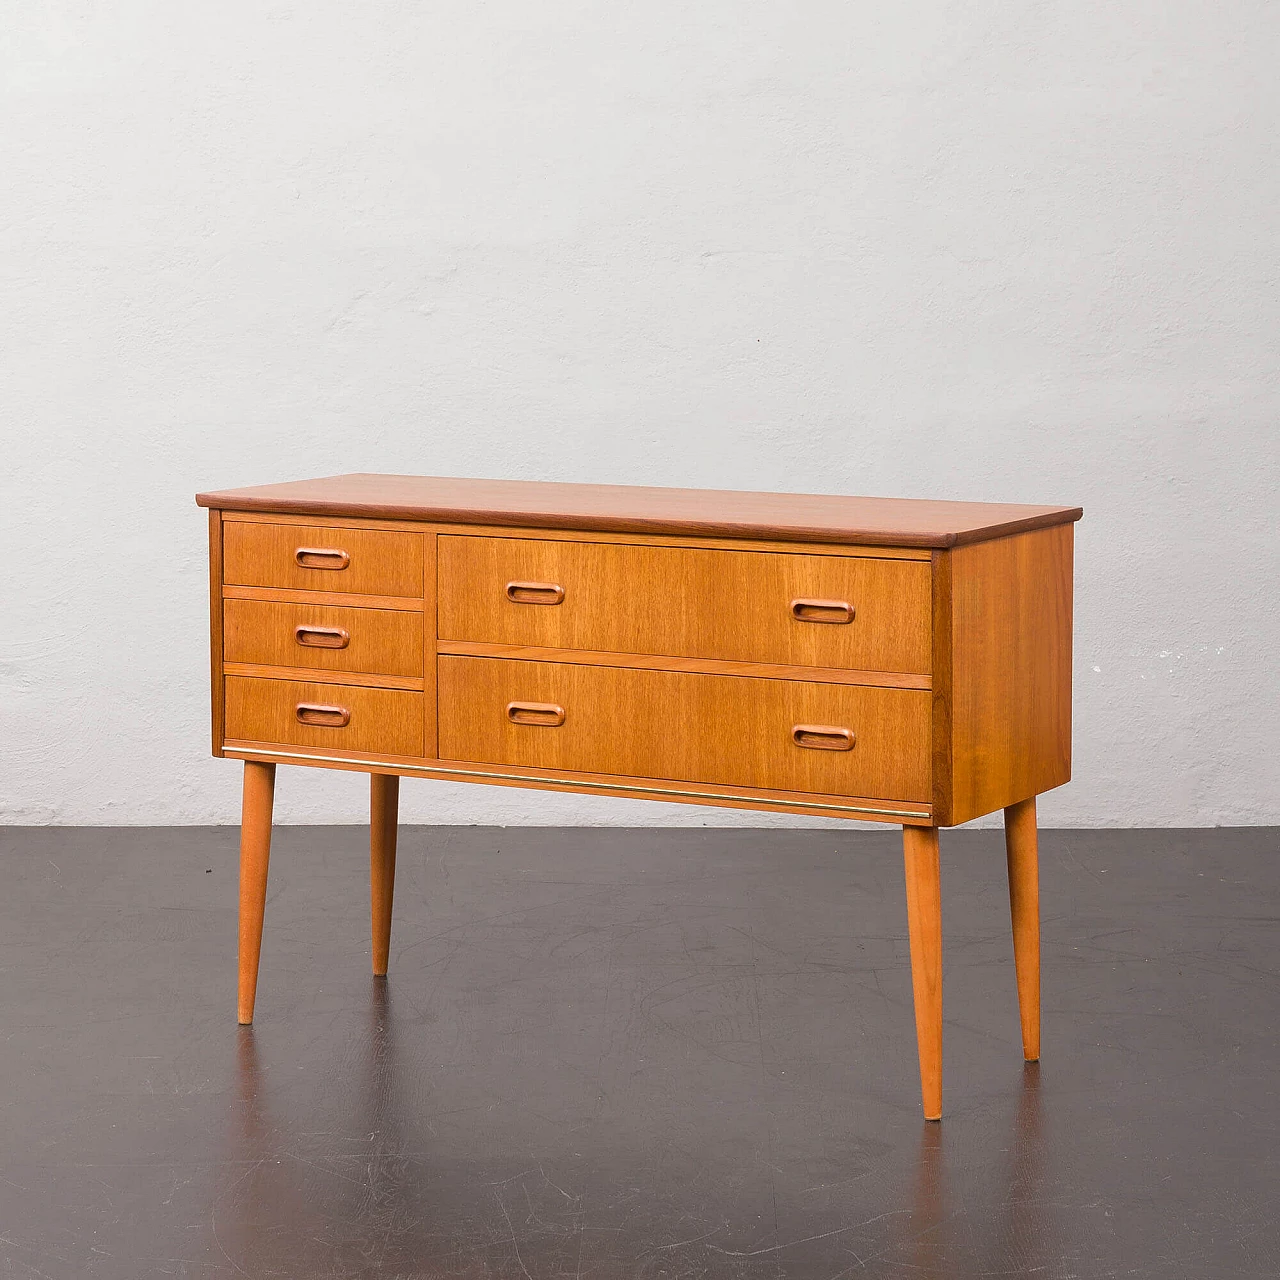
(634, 1053)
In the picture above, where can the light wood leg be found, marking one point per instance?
(255, 852)
(384, 798)
(1021, 845)
(924, 926)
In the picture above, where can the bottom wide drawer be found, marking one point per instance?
(306, 714)
(779, 734)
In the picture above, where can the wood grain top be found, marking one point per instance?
(789, 517)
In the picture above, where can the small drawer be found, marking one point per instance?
(851, 612)
(327, 637)
(300, 557)
(303, 714)
(787, 735)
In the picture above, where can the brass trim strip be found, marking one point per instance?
(574, 782)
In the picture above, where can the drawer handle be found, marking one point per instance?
(534, 592)
(322, 637)
(316, 713)
(321, 558)
(822, 737)
(836, 611)
(546, 714)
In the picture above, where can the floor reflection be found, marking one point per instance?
(1024, 1216)
(302, 1175)
(333, 1167)
(956, 1221)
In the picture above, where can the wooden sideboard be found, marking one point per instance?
(882, 659)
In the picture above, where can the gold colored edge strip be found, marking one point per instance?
(574, 782)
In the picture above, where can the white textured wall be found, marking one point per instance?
(988, 250)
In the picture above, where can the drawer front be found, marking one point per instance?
(746, 606)
(327, 637)
(300, 557)
(693, 728)
(340, 716)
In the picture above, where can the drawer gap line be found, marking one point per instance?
(356, 679)
(672, 662)
(338, 599)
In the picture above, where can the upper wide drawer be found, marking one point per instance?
(318, 557)
(849, 612)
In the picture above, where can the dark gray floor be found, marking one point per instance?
(639, 1053)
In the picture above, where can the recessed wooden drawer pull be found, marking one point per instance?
(836, 611)
(534, 592)
(322, 637)
(321, 558)
(822, 737)
(541, 713)
(316, 713)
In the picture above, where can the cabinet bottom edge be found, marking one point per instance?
(464, 771)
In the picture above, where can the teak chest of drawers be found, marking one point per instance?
(892, 660)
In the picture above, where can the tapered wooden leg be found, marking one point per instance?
(1024, 905)
(255, 852)
(924, 926)
(384, 798)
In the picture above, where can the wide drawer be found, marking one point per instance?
(750, 606)
(327, 637)
(305, 714)
(783, 734)
(303, 557)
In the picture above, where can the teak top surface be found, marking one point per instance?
(792, 517)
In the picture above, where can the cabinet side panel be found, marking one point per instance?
(942, 680)
(430, 632)
(1010, 695)
(215, 628)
